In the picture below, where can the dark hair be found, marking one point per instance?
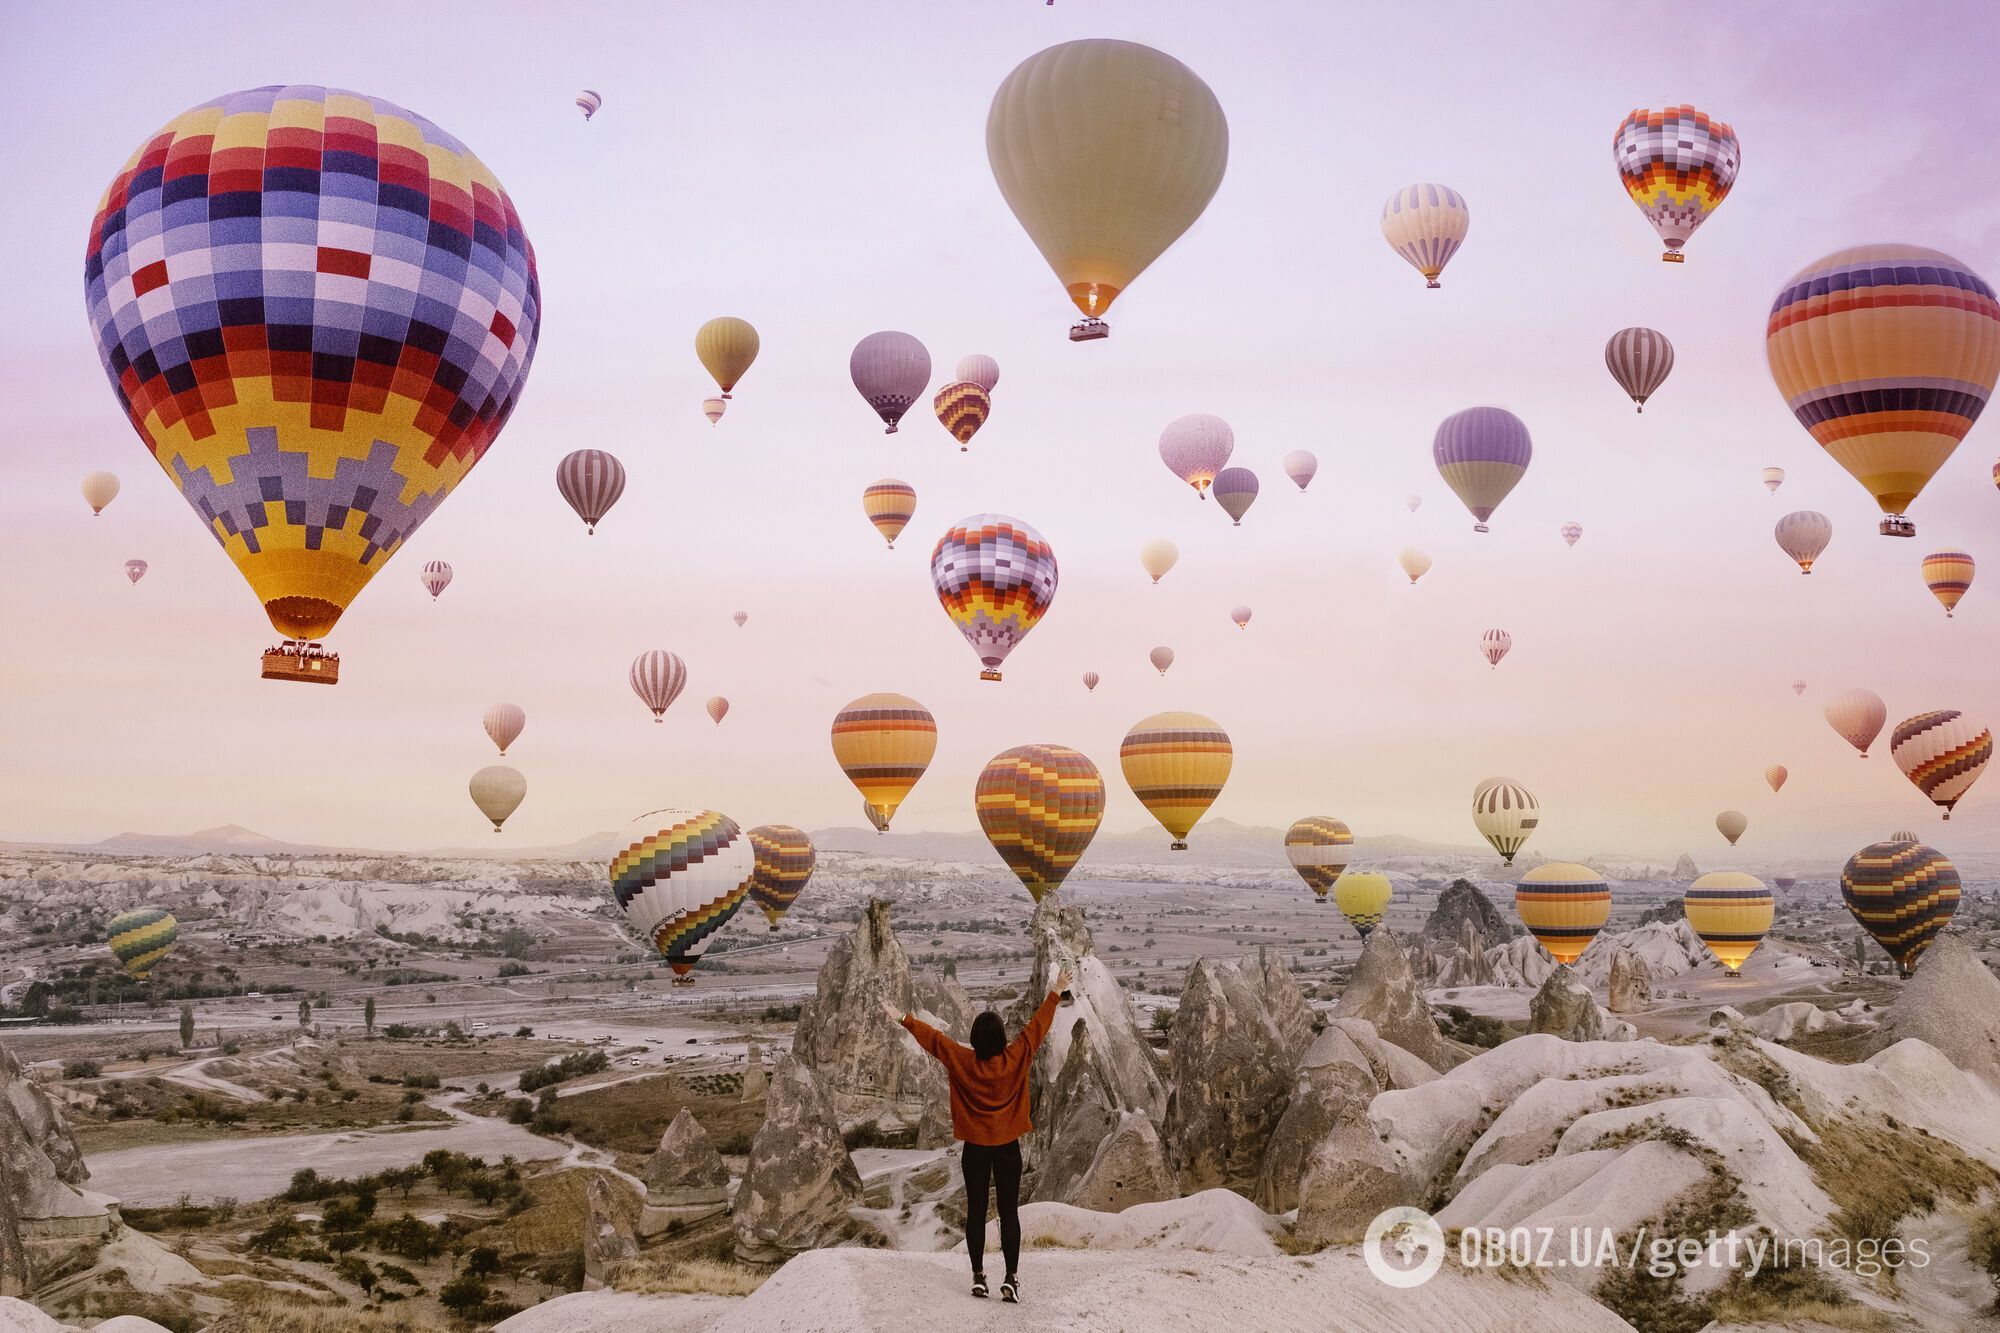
(989, 1035)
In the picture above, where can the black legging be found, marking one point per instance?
(1002, 1165)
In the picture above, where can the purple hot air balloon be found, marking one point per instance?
(1195, 448)
(591, 480)
(1235, 489)
(1481, 452)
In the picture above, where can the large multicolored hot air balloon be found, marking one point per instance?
(1319, 848)
(1040, 806)
(962, 408)
(136, 570)
(1090, 679)
(1241, 616)
(1363, 897)
(1640, 360)
(1176, 764)
(681, 876)
(1158, 556)
(588, 102)
(1774, 477)
(318, 310)
(1730, 912)
(591, 481)
(1563, 905)
(1196, 447)
(504, 724)
(140, 938)
(1505, 813)
(1942, 752)
(996, 578)
(1886, 354)
(1775, 775)
(1571, 533)
(1802, 535)
(1731, 824)
(99, 490)
(1903, 893)
(1106, 151)
(718, 708)
(1161, 658)
(1235, 489)
(890, 370)
(1948, 574)
(498, 792)
(783, 864)
(889, 504)
(1426, 224)
(883, 743)
(727, 347)
(1414, 562)
(435, 578)
(1301, 465)
(658, 677)
(1481, 453)
(1494, 645)
(1858, 716)
(979, 369)
(1677, 165)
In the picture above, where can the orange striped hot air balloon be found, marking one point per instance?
(889, 505)
(1040, 806)
(1731, 912)
(962, 408)
(1902, 893)
(884, 742)
(1319, 848)
(1176, 764)
(1942, 752)
(784, 859)
(1563, 905)
(1948, 574)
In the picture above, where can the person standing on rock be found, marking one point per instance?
(989, 1114)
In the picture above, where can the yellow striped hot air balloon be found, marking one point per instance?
(1903, 893)
(889, 505)
(1731, 912)
(884, 742)
(1362, 897)
(1563, 905)
(1505, 813)
(1942, 752)
(1948, 574)
(1040, 806)
(727, 346)
(784, 859)
(962, 408)
(1319, 848)
(1176, 764)
(140, 938)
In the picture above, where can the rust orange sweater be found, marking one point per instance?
(989, 1098)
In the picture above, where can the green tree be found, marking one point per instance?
(187, 1026)
(368, 1014)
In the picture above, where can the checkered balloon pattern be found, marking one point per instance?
(318, 310)
(995, 578)
(1678, 165)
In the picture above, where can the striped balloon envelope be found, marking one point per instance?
(875, 816)
(1730, 912)
(504, 723)
(588, 102)
(1678, 165)
(680, 878)
(140, 938)
(591, 481)
(1505, 813)
(1903, 893)
(1426, 224)
(1904, 835)
(1319, 848)
(1362, 897)
(784, 859)
(1640, 360)
(1943, 752)
(714, 408)
(1494, 644)
(996, 578)
(883, 743)
(1482, 453)
(1563, 905)
(1948, 574)
(962, 408)
(435, 578)
(1040, 806)
(1176, 764)
(978, 368)
(1774, 477)
(1090, 679)
(136, 570)
(1571, 533)
(889, 505)
(658, 677)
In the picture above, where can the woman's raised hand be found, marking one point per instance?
(1062, 981)
(894, 1014)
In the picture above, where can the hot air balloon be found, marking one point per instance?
(136, 569)
(1235, 489)
(1414, 562)
(1731, 824)
(1774, 477)
(1640, 360)
(1106, 151)
(1162, 658)
(962, 409)
(1481, 453)
(741, 618)
(884, 742)
(591, 481)
(1319, 848)
(1362, 897)
(1943, 752)
(99, 490)
(503, 724)
(1505, 813)
(995, 578)
(1948, 574)
(1784, 881)
(978, 369)
(497, 790)
(891, 371)
(1300, 466)
(1090, 679)
(140, 938)
(1730, 912)
(874, 816)
(713, 408)
(727, 347)
(1802, 535)
(1904, 835)
(435, 578)
(782, 863)
(1563, 905)
(1776, 775)
(1571, 532)
(1798, 687)
(1413, 502)
(1886, 354)
(1494, 644)
(311, 398)
(1677, 165)
(1040, 806)
(889, 505)
(1426, 224)
(1241, 615)
(1176, 764)
(1903, 893)
(1858, 716)
(682, 875)
(658, 677)
(718, 708)
(1158, 556)
(1195, 448)
(588, 102)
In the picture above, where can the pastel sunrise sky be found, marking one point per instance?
(820, 169)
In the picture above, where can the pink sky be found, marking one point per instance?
(820, 170)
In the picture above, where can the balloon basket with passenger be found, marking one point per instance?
(1895, 525)
(1088, 330)
(301, 660)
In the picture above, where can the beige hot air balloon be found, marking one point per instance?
(1426, 224)
(99, 490)
(1731, 824)
(1161, 658)
(1106, 151)
(1858, 716)
(1776, 775)
(1774, 477)
(504, 723)
(727, 346)
(1158, 556)
(1414, 562)
(713, 408)
(1802, 535)
(498, 790)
